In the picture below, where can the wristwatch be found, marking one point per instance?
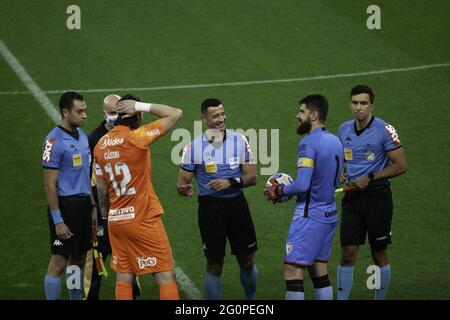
(235, 182)
(371, 176)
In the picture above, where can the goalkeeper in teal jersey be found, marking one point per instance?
(319, 166)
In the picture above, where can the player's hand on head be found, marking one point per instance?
(219, 184)
(126, 107)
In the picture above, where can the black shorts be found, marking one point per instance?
(76, 212)
(104, 246)
(367, 212)
(222, 218)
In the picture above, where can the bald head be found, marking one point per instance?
(109, 103)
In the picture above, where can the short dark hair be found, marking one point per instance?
(131, 122)
(361, 88)
(210, 102)
(66, 100)
(316, 102)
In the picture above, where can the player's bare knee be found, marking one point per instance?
(292, 272)
(57, 265)
(380, 257)
(214, 266)
(125, 277)
(245, 261)
(165, 277)
(349, 255)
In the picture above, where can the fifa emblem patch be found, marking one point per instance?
(348, 154)
(234, 162)
(77, 160)
(370, 156)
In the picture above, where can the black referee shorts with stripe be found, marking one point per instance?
(222, 218)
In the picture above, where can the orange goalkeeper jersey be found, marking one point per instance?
(122, 159)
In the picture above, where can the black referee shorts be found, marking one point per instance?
(222, 218)
(76, 212)
(367, 212)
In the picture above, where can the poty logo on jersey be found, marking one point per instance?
(146, 262)
(107, 142)
(48, 149)
(154, 132)
(392, 133)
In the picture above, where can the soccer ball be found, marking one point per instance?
(283, 180)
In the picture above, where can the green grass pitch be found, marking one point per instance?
(131, 44)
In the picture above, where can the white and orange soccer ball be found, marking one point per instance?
(283, 180)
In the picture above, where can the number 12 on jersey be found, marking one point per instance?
(120, 169)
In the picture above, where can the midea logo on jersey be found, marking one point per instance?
(146, 262)
(110, 142)
(48, 149)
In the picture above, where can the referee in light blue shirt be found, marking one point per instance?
(222, 164)
(66, 161)
(373, 154)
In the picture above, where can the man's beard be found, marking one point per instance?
(304, 127)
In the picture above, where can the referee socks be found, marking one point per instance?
(213, 288)
(249, 280)
(74, 275)
(344, 282)
(52, 287)
(385, 279)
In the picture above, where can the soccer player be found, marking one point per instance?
(66, 162)
(319, 165)
(222, 164)
(92, 279)
(373, 155)
(125, 191)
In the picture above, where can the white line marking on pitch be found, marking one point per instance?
(38, 94)
(246, 83)
(185, 282)
(186, 285)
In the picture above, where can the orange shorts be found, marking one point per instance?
(141, 247)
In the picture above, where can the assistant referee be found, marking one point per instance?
(373, 155)
(66, 161)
